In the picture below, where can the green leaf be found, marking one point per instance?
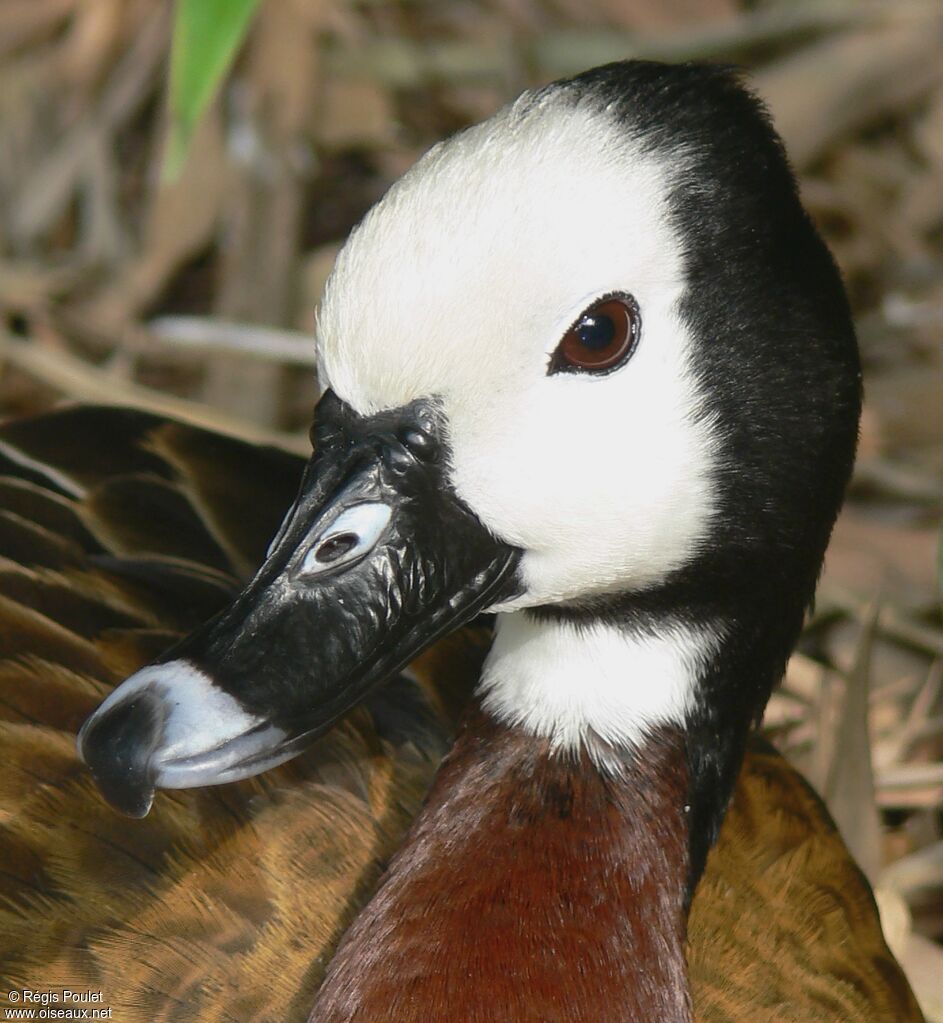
(207, 36)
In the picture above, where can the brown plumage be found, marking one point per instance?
(783, 927)
(120, 531)
(568, 866)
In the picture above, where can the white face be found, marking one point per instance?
(461, 283)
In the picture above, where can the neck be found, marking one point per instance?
(539, 882)
(595, 685)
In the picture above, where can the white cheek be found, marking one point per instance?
(606, 481)
(477, 263)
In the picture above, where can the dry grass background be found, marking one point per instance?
(197, 298)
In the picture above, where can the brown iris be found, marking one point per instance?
(603, 337)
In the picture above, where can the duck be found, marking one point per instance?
(226, 902)
(591, 403)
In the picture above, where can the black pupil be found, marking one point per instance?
(596, 332)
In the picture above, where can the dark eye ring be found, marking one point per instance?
(601, 339)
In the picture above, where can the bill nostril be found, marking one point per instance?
(353, 534)
(336, 547)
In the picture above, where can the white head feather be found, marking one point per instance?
(461, 282)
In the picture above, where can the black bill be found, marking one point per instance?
(376, 560)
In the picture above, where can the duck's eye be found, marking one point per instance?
(602, 338)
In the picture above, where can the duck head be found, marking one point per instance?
(589, 365)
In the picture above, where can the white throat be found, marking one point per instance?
(593, 685)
